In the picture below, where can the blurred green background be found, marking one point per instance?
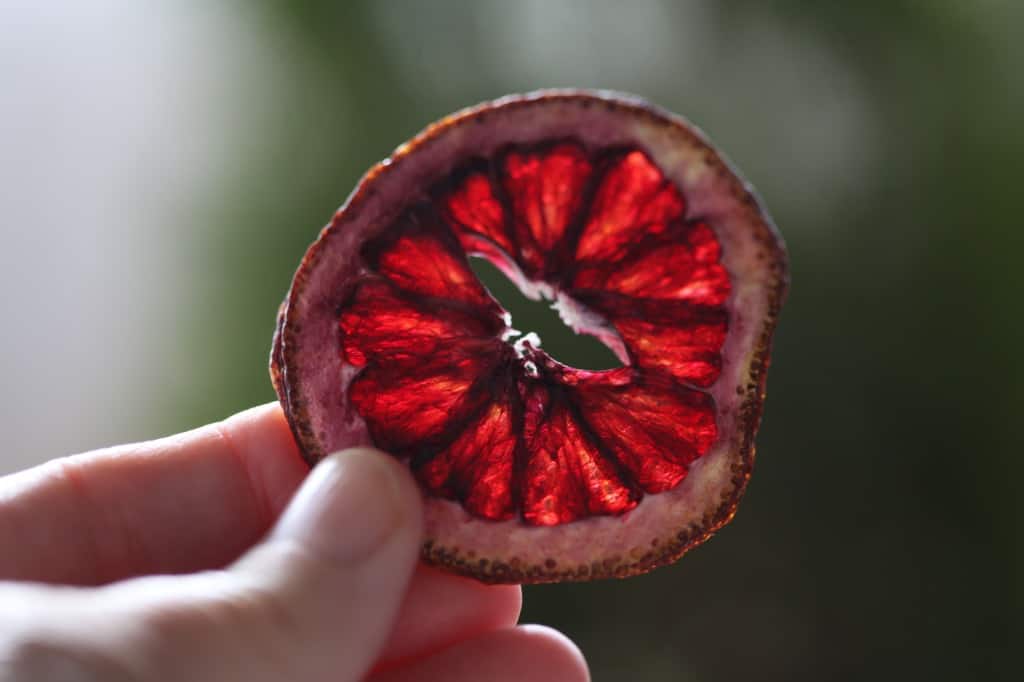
(881, 534)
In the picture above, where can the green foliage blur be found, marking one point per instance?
(881, 535)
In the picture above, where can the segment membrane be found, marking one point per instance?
(378, 324)
(477, 467)
(410, 405)
(633, 200)
(546, 191)
(419, 256)
(475, 211)
(681, 265)
(566, 476)
(678, 337)
(654, 429)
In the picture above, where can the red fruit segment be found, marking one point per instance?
(677, 337)
(566, 476)
(475, 212)
(477, 467)
(690, 354)
(682, 265)
(654, 429)
(379, 324)
(420, 256)
(546, 190)
(409, 405)
(634, 200)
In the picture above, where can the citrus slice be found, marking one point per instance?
(533, 471)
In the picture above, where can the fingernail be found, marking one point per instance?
(348, 506)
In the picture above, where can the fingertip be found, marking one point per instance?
(501, 603)
(354, 502)
(262, 441)
(377, 464)
(532, 652)
(441, 609)
(563, 657)
(506, 603)
(371, 469)
(334, 569)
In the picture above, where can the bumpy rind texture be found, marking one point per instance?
(311, 377)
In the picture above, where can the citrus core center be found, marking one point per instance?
(558, 340)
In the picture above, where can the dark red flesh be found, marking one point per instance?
(497, 424)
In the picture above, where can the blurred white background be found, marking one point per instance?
(113, 126)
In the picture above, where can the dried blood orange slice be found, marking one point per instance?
(642, 235)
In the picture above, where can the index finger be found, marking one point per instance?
(187, 502)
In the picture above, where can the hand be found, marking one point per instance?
(167, 561)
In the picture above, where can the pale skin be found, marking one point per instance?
(216, 555)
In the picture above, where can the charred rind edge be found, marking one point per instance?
(675, 544)
(277, 368)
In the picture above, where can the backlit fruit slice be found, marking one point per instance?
(533, 471)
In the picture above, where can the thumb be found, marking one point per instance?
(333, 572)
(314, 601)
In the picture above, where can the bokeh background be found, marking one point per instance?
(164, 164)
